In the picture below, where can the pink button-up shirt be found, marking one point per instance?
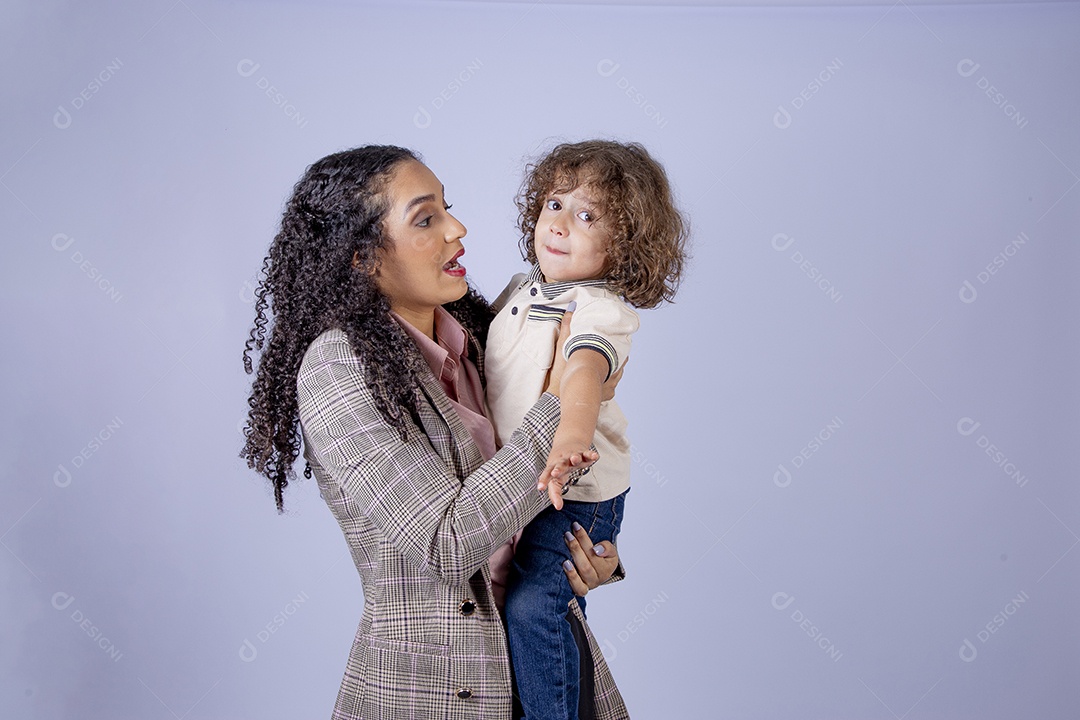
(447, 356)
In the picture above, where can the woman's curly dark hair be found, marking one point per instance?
(316, 277)
(648, 234)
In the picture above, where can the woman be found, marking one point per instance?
(368, 297)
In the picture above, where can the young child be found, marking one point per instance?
(599, 224)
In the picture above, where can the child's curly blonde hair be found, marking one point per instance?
(648, 234)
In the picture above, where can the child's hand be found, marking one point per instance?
(561, 460)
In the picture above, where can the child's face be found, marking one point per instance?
(570, 243)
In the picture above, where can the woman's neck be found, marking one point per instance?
(422, 320)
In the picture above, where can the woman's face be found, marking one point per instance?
(418, 269)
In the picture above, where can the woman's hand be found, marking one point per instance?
(593, 565)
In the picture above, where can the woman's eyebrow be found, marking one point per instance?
(422, 199)
(417, 201)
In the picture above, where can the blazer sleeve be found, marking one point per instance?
(442, 524)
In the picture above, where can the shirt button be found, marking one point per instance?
(533, 292)
(464, 693)
(467, 608)
(513, 310)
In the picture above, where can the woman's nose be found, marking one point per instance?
(456, 230)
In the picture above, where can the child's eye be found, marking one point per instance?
(586, 216)
(554, 205)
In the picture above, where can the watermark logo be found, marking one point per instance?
(782, 117)
(248, 651)
(62, 476)
(607, 68)
(967, 68)
(782, 476)
(782, 601)
(781, 242)
(62, 119)
(423, 118)
(968, 292)
(609, 649)
(247, 68)
(968, 651)
(61, 601)
(61, 242)
(248, 289)
(647, 466)
(967, 427)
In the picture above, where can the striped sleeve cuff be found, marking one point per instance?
(594, 342)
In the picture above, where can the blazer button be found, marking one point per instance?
(464, 693)
(533, 292)
(467, 608)
(513, 310)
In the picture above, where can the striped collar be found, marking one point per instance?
(555, 289)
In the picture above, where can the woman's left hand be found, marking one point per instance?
(589, 569)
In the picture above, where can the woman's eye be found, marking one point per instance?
(447, 206)
(426, 222)
(554, 205)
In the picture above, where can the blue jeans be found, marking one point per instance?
(543, 650)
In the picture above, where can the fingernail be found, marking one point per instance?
(572, 306)
(569, 537)
(567, 565)
(598, 549)
(577, 526)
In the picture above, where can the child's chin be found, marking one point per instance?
(552, 273)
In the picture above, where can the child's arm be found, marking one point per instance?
(580, 396)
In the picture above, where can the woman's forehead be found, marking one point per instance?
(412, 180)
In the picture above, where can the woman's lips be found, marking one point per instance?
(453, 268)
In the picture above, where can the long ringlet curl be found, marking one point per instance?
(320, 274)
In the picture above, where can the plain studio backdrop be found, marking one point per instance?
(855, 432)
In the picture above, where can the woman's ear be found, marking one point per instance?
(372, 270)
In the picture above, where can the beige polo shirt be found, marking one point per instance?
(520, 351)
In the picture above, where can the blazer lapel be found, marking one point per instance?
(451, 440)
(450, 437)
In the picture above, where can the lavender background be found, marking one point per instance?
(855, 433)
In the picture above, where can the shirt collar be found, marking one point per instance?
(446, 351)
(449, 331)
(552, 290)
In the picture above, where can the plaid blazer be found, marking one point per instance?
(421, 517)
